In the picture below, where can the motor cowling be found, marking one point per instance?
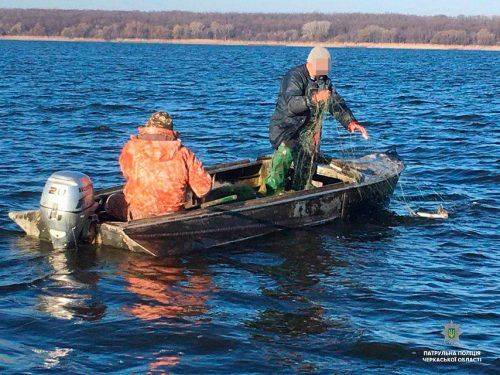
(68, 208)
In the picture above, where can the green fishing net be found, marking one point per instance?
(244, 192)
(279, 170)
(308, 148)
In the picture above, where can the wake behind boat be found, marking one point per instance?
(341, 189)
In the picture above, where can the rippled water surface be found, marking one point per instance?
(366, 296)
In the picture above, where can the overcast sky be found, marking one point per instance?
(423, 7)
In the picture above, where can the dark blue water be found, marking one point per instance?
(366, 296)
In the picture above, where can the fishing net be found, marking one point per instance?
(308, 148)
(242, 191)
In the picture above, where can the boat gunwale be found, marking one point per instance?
(216, 168)
(255, 203)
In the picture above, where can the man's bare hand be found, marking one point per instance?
(355, 126)
(321, 96)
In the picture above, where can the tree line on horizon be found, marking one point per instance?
(280, 27)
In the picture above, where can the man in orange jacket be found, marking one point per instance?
(159, 170)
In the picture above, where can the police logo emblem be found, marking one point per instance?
(451, 333)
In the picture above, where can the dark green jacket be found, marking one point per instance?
(293, 108)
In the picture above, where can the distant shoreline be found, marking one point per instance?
(258, 43)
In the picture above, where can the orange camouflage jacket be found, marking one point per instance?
(158, 171)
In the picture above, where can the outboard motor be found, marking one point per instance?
(68, 208)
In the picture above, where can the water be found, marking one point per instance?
(371, 295)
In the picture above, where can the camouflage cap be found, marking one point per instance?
(161, 120)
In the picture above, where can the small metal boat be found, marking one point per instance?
(342, 189)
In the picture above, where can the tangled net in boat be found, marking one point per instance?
(308, 148)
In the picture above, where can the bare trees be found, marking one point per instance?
(194, 30)
(135, 29)
(38, 29)
(178, 32)
(357, 27)
(82, 30)
(375, 33)
(221, 31)
(17, 29)
(316, 30)
(197, 29)
(450, 37)
(159, 32)
(485, 37)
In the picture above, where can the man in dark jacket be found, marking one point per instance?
(303, 90)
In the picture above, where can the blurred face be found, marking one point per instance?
(319, 67)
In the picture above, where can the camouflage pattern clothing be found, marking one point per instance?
(159, 170)
(161, 120)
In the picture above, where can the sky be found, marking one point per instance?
(420, 7)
